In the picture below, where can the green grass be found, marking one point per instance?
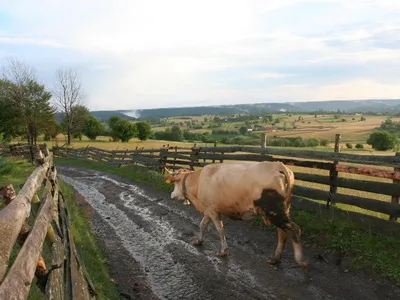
(88, 247)
(365, 250)
(374, 252)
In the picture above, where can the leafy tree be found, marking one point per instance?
(93, 127)
(243, 130)
(382, 141)
(80, 113)
(144, 130)
(122, 129)
(24, 103)
(176, 134)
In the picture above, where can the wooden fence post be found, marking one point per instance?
(163, 158)
(264, 140)
(215, 145)
(395, 199)
(333, 174)
(193, 157)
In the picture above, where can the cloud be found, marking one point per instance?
(153, 53)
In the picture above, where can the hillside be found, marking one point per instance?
(351, 106)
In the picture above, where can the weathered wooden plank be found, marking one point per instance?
(244, 157)
(13, 215)
(366, 203)
(383, 188)
(395, 198)
(368, 171)
(55, 282)
(17, 283)
(311, 154)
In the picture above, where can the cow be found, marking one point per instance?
(241, 191)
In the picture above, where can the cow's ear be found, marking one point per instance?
(169, 179)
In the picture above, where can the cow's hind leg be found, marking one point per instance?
(276, 209)
(220, 228)
(203, 226)
(276, 258)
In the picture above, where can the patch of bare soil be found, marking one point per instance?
(146, 238)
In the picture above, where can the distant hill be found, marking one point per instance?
(350, 106)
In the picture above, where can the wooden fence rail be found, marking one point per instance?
(192, 158)
(51, 226)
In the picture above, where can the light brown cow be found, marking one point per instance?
(241, 191)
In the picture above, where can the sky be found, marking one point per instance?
(157, 53)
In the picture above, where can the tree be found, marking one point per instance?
(243, 130)
(68, 94)
(382, 141)
(92, 127)
(24, 103)
(176, 134)
(81, 114)
(122, 129)
(144, 130)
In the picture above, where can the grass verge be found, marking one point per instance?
(88, 247)
(365, 250)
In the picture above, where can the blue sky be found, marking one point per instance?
(154, 53)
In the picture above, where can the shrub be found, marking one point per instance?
(382, 141)
(324, 143)
(313, 142)
(349, 146)
(359, 146)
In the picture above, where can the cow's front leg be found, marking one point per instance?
(203, 226)
(220, 228)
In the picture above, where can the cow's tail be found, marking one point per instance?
(289, 176)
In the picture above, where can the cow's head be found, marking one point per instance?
(176, 178)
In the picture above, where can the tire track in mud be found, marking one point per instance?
(156, 232)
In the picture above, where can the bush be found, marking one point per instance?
(324, 143)
(359, 146)
(349, 146)
(382, 141)
(313, 142)
(144, 130)
(92, 127)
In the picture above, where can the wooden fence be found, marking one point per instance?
(66, 278)
(333, 162)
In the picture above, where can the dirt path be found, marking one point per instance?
(146, 237)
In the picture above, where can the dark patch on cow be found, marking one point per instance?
(275, 207)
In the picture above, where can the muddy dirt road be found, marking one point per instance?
(146, 237)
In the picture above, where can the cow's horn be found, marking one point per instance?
(170, 172)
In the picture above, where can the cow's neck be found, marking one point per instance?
(191, 192)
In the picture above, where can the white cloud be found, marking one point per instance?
(135, 54)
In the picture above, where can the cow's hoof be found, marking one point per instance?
(222, 253)
(197, 242)
(273, 261)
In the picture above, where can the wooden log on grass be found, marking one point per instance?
(12, 217)
(16, 284)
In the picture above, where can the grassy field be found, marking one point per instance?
(15, 171)
(377, 253)
(351, 127)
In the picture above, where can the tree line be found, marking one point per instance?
(29, 109)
